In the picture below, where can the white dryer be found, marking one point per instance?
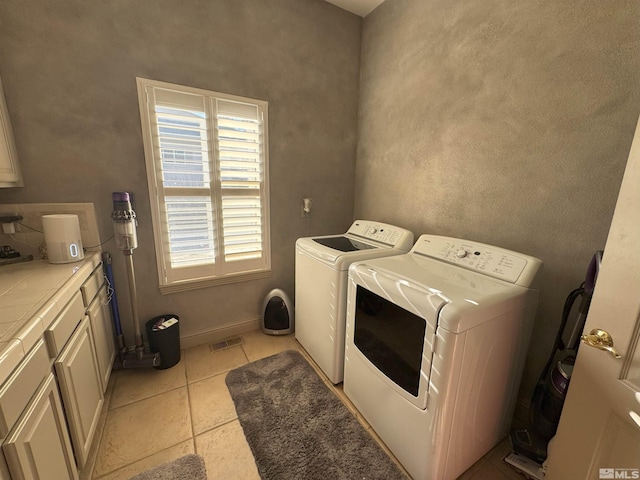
(322, 265)
(436, 341)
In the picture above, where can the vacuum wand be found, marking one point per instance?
(124, 227)
(131, 277)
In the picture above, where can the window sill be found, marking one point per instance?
(197, 283)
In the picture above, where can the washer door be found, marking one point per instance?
(343, 244)
(339, 251)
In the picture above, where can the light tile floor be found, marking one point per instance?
(155, 416)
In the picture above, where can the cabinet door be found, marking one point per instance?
(102, 327)
(10, 175)
(39, 446)
(80, 387)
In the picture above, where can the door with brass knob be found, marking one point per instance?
(602, 340)
(599, 432)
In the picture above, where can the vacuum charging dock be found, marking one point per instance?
(126, 239)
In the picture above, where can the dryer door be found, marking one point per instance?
(394, 327)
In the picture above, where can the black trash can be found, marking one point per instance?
(163, 334)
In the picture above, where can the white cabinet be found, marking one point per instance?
(10, 174)
(38, 446)
(102, 328)
(51, 401)
(22, 385)
(81, 388)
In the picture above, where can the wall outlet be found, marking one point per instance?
(9, 228)
(305, 210)
(31, 235)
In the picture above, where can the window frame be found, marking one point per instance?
(172, 279)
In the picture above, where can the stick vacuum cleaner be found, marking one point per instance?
(124, 227)
(530, 444)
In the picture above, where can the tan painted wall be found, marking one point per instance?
(69, 70)
(504, 122)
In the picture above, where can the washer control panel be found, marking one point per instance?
(493, 261)
(390, 235)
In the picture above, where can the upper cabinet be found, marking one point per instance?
(10, 174)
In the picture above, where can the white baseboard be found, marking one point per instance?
(217, 334)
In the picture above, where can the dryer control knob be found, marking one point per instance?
(373, 230)
(461, 253)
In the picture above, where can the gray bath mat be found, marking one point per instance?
(298, 429)
(189, 467)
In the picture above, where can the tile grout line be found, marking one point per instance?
(186, 381)
(146, 398)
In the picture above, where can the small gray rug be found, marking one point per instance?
(189, 467)
(298, 429)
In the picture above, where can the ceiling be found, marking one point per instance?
(359, 7)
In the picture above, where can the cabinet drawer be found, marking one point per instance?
(23, 383)
(63, 326)
(91, 286)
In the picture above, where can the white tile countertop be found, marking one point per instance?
(31, 296)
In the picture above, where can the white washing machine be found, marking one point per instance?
(436, 341)
(322, 265)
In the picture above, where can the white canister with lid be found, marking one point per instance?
(62, 236)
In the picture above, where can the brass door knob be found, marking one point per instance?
(600, 339)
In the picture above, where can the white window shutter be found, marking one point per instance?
(239, 147)
(206, 156)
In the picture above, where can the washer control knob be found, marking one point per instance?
(461, 253)
(373, 230)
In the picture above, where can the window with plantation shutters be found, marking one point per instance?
(206, 156)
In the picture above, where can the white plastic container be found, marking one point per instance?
(62, 236)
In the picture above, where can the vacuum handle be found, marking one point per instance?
(602, 340)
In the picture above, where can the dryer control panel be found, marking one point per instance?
(390, 235)
(512, 267)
